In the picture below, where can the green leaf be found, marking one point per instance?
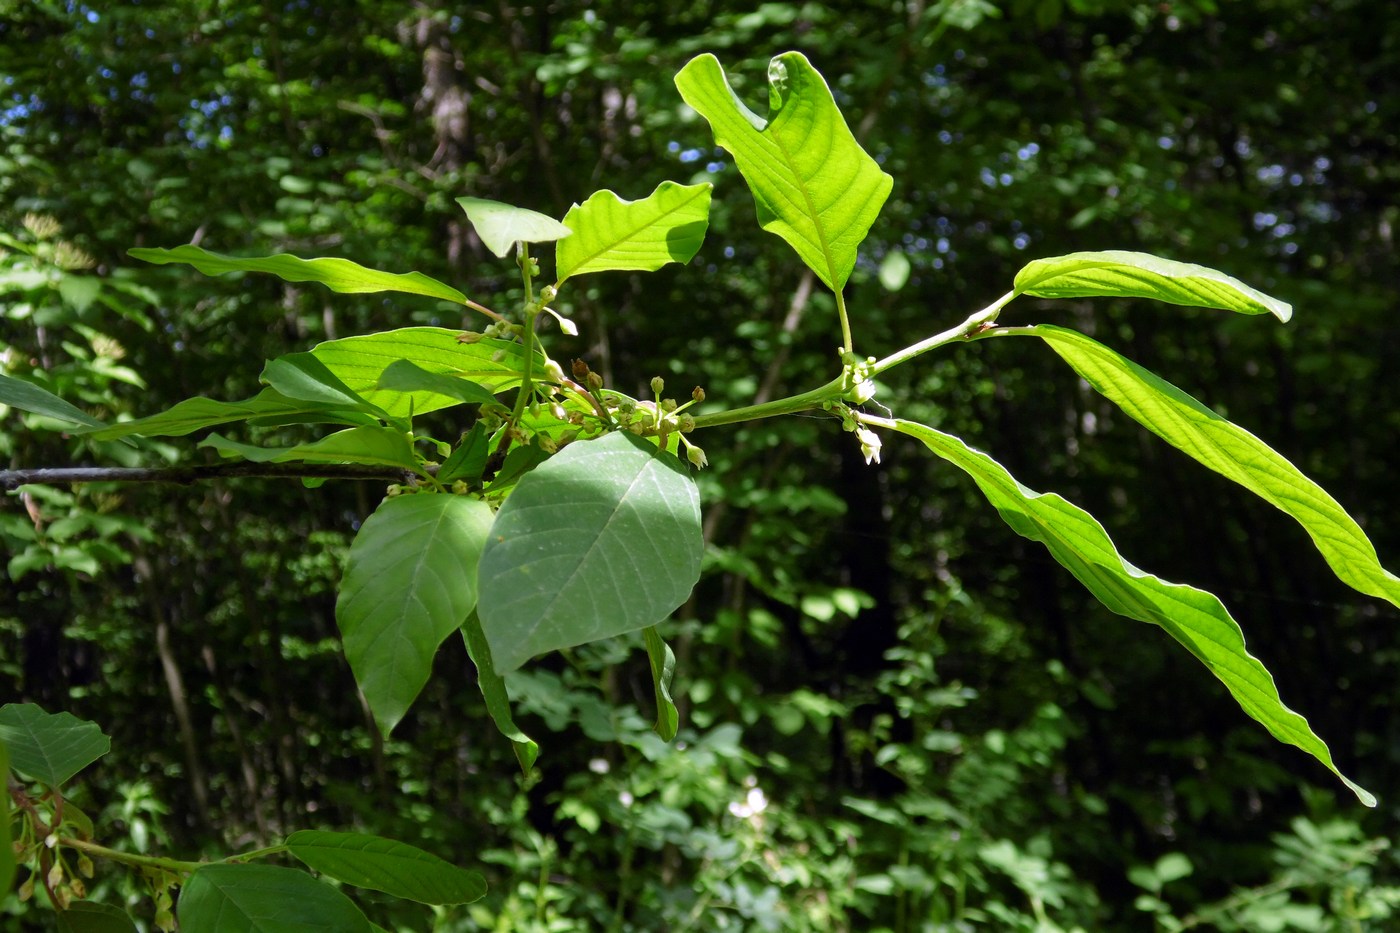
(493, 691)
(49, 747)
(264, 899)
(1122, 274)
(663, 666)
(1193, 617)
(360, 361)
(468, 461)
(1231, 451)
(7, 852)
(373, 445)
(518, 462)
(601, 539)
(408, 376)
(381, 864)
(303, 376)
(812, 183)
(339, 275)
(410, 580)
(92, 917)
(26, 396)
(613, 234)
(267, 407)
(501, 226)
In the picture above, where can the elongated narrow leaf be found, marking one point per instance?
(493, 691)
(601, 539)
(264, 899)
(410, 580)
(375, 446)
(7, 852)
(408, 376)
(303, 376)
(1123, 274)
(267, 407)
(26, 396)
(663, 667)
(501, 226)
(1231, 451)
(359, 362)
(49, 747)
(339, 275)
(381, 864)
(92, 917)
(812, 183)
(1193, 617)
(612, 234)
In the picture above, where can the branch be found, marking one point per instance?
(11, 480)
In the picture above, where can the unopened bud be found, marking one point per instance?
(51, 840)
(686, 423)
(78, 888)
(697, 456)
(26, 890)
(63, 896)
(553, 371)
(470, 336)
(595, 381)
(165, 921)
(460, 487)
(558, 411)
(85, 866)
(698, 394)
(55, 876)
(546, 443)
(657, 385)
(580, 369)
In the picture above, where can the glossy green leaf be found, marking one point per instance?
(359, 362)
(493, 691)
(372, 445)
(501, 226)
(612, 234)
(49, 747)
(7, 852)
(1231, 451)
(468, 461)
(663, 667)
(1193, 617)
(381, 864)
(267, 407)
(92, 917)
(410, 580)
(26, 396)
(339, 275)
(601, 539)
(264, 899)
(408, 376)
(812, 183)
(1124, 274)
(303, 376)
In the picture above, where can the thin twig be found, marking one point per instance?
(185, 475)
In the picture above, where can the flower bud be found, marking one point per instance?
(26, 890)
(553, 371)
(697, 456)
(468, 337)
(85, 866)
(595, 381)
(55, 876)
(78, 888)
(697, 394)
(657, 385)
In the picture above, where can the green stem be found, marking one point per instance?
(964, 330)
(257, 853)
(846, 343)
(783, 406)
(528, 338)
(130, 858)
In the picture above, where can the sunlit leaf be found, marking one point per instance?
(493, 691)
(408, 376)
(339, 275)
(372, 445)
(26, 396)
(1193, 617)
(1232, 452)
(264, 899)
(303, 376)
(601, 539)
(49, 747)
(381, 864)
(267, 407)
(612, 234)
(501, 226)
(812, 183)
(410, 580)
(663, 667)
(1123, 274)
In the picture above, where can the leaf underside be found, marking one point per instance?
(501, 226)
(493, 692)
(1193, 617)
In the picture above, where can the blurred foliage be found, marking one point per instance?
(896, 715)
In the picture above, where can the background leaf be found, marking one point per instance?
(339, 275)
(601, 539)
(49, 747)
(360, 362)
(663, 666)
(1124, 274)
(410, 580)
(381, 864)
(501, 226)
(26, 396)
(612, 234)
(264, 899)
(1193, 617)
(812, 183)
(493, 691)
(1231, 451)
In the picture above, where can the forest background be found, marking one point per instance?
(895, 713)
